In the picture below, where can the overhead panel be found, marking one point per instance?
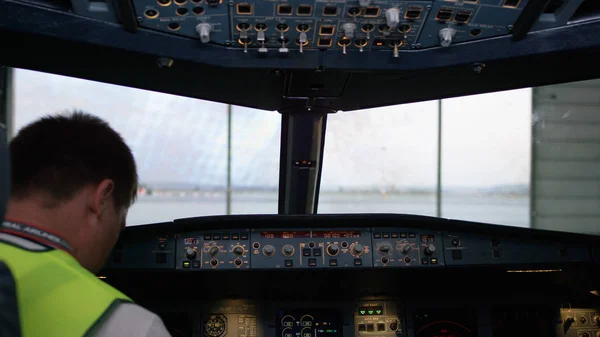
(271, 28)
(331, 24)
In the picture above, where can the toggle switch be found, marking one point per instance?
(303, 39)
(244, 39)
(361, 44)
(261, 38)
(283, 50)
(368, 28)
(344, 43)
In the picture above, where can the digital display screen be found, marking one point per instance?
(427, 238)
(336, 234)
(370, 311)
(308, 235)
(191, 241)
(458, 322)
(309, 323)
(285, 235)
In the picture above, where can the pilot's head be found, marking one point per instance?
(74, 175)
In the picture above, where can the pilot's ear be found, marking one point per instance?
(103, 195)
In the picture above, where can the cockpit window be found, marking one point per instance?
(486, 157)
(255, 140)
(381, 160)
(526, 157)
(389, 160)
(180, 144)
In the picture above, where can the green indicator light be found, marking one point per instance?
(329, 331)
(362, 312)
(378, 312)
(370, 312)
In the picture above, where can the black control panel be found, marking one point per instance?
(325, 322)
(469, 249)
(212, 250)
(378, 319)
(580, 322)
(362, 276)
(311, 248)
(337, 248)
(405, 247)
(386, 317)
(269, 28)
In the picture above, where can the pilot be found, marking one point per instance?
(73, 180)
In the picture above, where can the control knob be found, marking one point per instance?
(446, 36)
(190, 253)
(568, 322)
(333, 249)
(392, 16)
(357, 249)
(214, 262)
(385, 249)
(204, 29)
(269, 250)
(349, 29)
(406, 248)
(238, 250)
(596, 320)
(429, 250)
(214, 250)
(288, 250)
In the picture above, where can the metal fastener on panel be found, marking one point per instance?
(477, 67)
(164, 62)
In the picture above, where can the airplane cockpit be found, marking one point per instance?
(363, 270)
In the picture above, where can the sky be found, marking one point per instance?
(486, 139)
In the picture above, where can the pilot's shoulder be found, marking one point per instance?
(132, 320)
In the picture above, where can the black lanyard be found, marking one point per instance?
(34, 232)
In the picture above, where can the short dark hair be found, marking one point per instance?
(60, 154)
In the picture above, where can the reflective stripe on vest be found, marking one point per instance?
(57, 297)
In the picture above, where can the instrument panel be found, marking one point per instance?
(395, 318)
(310, 322)
(345, 26)
(445, 323)
(311, 249)
(270, 28)
(335, 248)
(250, 276)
